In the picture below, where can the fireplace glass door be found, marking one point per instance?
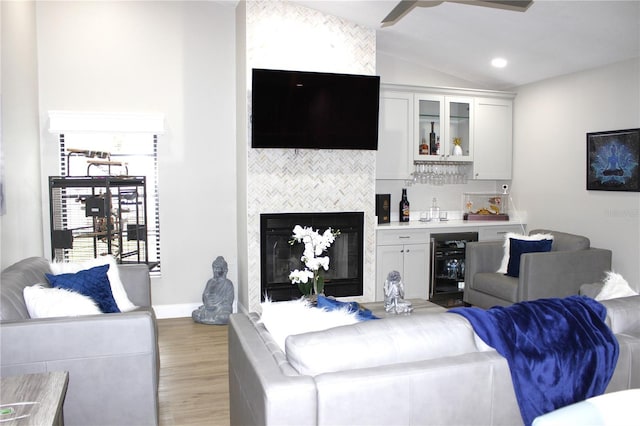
(279, 257)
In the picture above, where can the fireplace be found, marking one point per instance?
(278, 258)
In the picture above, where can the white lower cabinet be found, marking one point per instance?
(408, 253)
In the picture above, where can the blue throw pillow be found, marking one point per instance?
(518, 247)
(90, 282)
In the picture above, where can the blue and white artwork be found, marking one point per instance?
(612, 160)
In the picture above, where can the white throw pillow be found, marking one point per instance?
(119, 293)
(615, 286)
(505, 257)
(46, 302)
(284, 319)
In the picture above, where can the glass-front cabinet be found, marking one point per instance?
(443, 129)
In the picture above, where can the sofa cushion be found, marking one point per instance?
(519, 247)
(623, 314)
(117, 288)
(382, 342)
(498, 285)
(46, 302)
(297, 316)
(91, 282)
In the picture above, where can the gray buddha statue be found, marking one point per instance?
(217, 297)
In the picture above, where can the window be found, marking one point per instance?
(108, 154)
(93, 144)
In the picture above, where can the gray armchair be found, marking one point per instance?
(558, 273)
(112, 359)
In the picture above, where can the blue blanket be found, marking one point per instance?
(559, 351)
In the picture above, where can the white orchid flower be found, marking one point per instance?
(314, 245)
(297, 276)
(324, 262)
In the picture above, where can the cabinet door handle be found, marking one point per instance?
(407, 251)
(404, 237)
(402, 251)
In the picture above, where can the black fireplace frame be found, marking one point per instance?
(344, 221)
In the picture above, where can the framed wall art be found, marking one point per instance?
(612, 160)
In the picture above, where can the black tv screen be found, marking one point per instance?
(297, 109)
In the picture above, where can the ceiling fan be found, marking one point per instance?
(405, 6)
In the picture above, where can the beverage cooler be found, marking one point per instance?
(448, 266)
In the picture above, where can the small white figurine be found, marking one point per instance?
(394, 295)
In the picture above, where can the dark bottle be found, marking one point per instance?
(432, 141)
(404, 207)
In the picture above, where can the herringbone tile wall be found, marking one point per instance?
(285, 36)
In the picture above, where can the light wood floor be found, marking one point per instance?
(194, 387)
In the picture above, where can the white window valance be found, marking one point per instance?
(87, 122)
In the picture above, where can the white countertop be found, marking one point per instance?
(456, 223)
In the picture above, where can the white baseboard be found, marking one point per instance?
(182, 310)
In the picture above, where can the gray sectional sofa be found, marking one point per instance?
(423, 369)
(112, 359)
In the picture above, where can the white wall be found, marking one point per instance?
(551, 119)
(20, 226)
(241, 154)
(393, 70)
(176, 58)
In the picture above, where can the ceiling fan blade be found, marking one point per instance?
(405, 6)
(515, 5)
(401, 9)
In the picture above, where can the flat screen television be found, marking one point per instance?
(299, 109)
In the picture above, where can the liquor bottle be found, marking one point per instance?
(404, 207)
(432, 141)
(424, 148)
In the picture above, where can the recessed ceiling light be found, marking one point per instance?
(499, 62)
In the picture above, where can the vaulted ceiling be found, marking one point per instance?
(550, 38)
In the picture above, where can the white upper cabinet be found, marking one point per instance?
(442, 123)
(459, 143)
(429, 125)
(493, 138)
(395, 135)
